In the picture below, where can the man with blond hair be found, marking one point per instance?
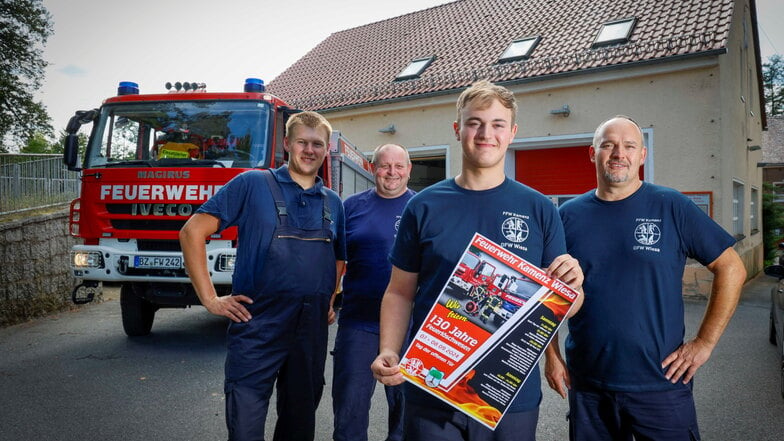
(290, 251)
(435, 228)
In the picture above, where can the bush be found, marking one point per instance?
(772, 222)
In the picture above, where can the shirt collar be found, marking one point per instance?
(283, 176)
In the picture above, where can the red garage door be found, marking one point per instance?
(561, 171)
(558, 171)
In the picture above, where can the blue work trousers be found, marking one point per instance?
(290, 346)
(441, 423)
(353, 386)
(600, 415)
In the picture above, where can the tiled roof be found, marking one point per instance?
(773, 141)
(467, 37)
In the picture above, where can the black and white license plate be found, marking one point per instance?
(157, 262)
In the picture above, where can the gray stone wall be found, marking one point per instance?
(35, 276)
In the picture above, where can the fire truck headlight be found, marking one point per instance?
(226, 262)
(86, 259)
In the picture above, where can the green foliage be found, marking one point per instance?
(773, 83)
(25, 25)
(39, 143)
(772, 222)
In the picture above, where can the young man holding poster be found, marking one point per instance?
(435, 229)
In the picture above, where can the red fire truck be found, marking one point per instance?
(150, 162)
(473, 276)
(488, 292)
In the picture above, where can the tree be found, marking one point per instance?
(772, 223)
(25, 25)
(40, 143)
(37, 144)
(773, 83)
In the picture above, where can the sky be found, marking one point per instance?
(97, 44)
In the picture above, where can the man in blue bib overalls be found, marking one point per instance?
(290, 251)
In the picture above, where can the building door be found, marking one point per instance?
(427, 171)
(560, 173)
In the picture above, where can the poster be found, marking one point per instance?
(486, 331)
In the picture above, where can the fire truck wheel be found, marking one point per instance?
(137, 313)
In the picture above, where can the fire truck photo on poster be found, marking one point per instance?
(486, 331)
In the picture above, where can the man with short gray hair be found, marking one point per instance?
(372, 218)
(629, 370)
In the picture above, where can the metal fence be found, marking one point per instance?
(34, 180)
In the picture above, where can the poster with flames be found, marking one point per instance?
(486, 331)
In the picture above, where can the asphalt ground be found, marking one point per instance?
(76, 376)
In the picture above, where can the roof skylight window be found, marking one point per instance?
(615, 32)
(415, 68)
(519, 49)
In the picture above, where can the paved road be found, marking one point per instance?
(75, 376)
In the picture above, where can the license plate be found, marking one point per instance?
(157, 262)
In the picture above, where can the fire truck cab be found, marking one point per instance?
(473, 276)
(150, 162)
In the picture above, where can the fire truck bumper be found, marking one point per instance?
(121, 262)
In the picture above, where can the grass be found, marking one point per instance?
(33, 212)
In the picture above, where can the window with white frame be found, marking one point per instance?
(415, 68)
(519, 49)
(737, 208)
(753, 207)
(614, 32)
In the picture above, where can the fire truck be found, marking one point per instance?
(489, 294)
(151, 160)
(473, 276)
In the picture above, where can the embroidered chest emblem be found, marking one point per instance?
(647, 233)
(515, 229)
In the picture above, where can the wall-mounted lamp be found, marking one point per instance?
(753, 148)
(564, 111)
(388, 129)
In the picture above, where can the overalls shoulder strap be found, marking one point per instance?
(280, 203)
(326, 214)
(277, 195)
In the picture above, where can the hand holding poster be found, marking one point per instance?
(486, 331)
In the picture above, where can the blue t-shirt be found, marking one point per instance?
(437, 226)
(633, 254)
(246, 201)
(371, 226)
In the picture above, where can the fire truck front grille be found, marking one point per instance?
(158, 245)
(147, 224)
(155, 272)
(143, 209)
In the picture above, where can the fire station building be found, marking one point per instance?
(688, 71)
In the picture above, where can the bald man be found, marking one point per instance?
(629, 370)
(372, 219)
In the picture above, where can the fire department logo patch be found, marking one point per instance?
(647, 233)
(515, 229)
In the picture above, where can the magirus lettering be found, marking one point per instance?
(164, 174)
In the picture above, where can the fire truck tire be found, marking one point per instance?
(137, 313)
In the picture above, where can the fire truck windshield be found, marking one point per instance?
(470, 260)
(181, 134)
